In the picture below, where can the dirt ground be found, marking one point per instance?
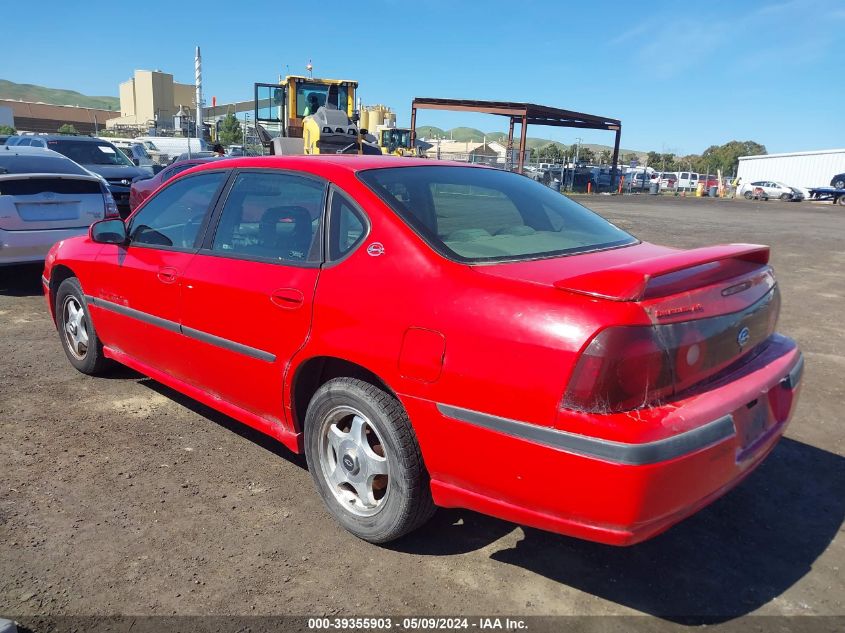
(120, 496)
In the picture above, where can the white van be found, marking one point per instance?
(687, 180)
(173, 145)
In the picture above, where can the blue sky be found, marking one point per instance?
(680, 76)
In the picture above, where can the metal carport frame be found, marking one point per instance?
(527, 114)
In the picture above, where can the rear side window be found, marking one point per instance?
(172, 218)
(272, 216)
(347, 226)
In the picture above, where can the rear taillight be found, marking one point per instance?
(629, 367)
(111, 205)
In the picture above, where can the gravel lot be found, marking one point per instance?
(120, 496)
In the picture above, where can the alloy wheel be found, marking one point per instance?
(353, 460)
(75, 327)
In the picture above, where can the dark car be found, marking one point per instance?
(141, 188)
(103, 158)
(838, 181)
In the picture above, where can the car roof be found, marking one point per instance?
(72, 137)
(347, 162)
(27, 150)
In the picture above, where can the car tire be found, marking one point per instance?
(76, 331)
(748, 195)
(785, 197)
(841, 200)
(365, 460)
(839, 184)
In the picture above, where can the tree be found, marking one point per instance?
(7, 130)
(67, 128)
(550, 153)
(726, 157)
(230, 131)
(605, 156)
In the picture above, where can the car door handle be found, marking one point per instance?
(167, 275)
(287, 298)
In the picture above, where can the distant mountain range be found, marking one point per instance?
(56, 96)
(472, 135)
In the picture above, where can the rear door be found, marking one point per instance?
(249, 291)
(138, 291)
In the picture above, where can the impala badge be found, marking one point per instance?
(742, 337)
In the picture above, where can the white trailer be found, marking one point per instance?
(796, 169)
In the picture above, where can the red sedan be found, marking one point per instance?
(143, 188)
(435, 334)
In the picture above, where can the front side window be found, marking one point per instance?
(272, 216)
(483, 215)
(172, 218)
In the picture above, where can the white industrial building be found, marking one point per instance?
(796, 169)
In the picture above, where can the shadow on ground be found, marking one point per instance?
(23, 280)
(256, 437)
(725, 562)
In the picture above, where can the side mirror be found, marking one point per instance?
(112, 231)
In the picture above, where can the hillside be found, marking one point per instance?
(473, 135)
(56, 96)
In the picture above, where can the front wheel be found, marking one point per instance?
(748, 195)
(841, 200)
(839, 184)
(785, 197)
(76, 331)
(363, 455)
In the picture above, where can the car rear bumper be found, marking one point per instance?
(605, 490)
(20, 247)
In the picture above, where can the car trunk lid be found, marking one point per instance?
(49, 201)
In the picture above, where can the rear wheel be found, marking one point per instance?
(365, 460)
(785, 197)
(841, 200)
(839, 184)
(76, 331)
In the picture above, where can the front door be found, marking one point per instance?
(137, 296)
(248, 292)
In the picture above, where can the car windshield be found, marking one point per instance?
(471, 214)
(89, 152)
(16, 164)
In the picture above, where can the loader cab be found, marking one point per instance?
(303, 92)
(395, 140)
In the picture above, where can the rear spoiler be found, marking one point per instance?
(628, 282)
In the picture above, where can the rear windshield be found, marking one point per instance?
(39, 165)
(90, 152)
(474, 214)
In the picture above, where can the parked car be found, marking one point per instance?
(135, 152)
(173, 146)
(45, 197)
(26, 140)
(103, 158)
(838, 181)
(637, 181)
(141, 188)
(4, 138)
(187, 156)
(769, 189)
(442, 335)
(666, 180)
